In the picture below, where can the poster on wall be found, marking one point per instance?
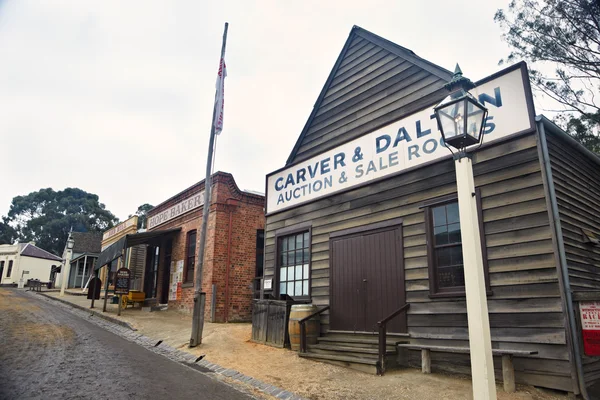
(173, 283)
(590, 326)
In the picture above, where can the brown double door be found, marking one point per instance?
(367, 279)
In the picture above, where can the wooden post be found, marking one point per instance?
(119, 310)
(508, 373)
(108, 269)
(480, 341)
(425, 361)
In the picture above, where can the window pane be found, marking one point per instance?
(443, 257)
(441, 234)
(306, 255)
(299, 272)
(282, 288)
(290, 258)
(299, 242)
(451, 276)
(439, 216)
(456, 255)
(290, 273)
(290, 288)
(305, 271)
(305, 288)
(298, 288)
(306, 243)
(283, 275)
(298, 257)
(284, 244)
(454, 233)
(452, 210)
(283, 259)
(291, 243)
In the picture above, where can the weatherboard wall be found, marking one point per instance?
(374, 82)
(577, 188)
(525, 304)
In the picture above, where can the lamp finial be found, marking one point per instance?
(458, 81)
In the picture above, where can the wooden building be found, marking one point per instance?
(363, 218)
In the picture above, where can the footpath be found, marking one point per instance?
(280, 372)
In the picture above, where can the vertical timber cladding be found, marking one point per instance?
(525, 305)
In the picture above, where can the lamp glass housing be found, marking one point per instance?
(70, 243)
(461, 120)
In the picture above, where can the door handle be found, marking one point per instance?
(364, 280)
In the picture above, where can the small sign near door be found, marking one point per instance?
(122, 281)
(590, 326)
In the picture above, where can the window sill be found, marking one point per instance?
(187, 284)
(454, 294)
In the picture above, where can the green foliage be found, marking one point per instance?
(46, 216)
(561, 41)
(7, 233)
(141, 213)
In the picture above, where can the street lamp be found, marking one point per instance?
(461, 122)
(66, 268)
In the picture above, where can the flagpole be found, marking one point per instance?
(199, 297)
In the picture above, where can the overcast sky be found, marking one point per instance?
(115, 97)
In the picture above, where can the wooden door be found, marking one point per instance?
(367, 279)
(166, 276)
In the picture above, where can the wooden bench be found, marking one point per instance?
(36, 285)
(508, 369)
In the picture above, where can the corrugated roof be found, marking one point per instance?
(30, 250)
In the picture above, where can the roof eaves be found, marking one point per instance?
(321, 95)
(561, 134)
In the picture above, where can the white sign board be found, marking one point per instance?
(268, 285)
(400, 146)
(175, 211)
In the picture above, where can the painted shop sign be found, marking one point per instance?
(404, 144)
(590, 326)
(120, 228)
(178, 209)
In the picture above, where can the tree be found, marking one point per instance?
(47, 216)
(141, 213)
(561, 41)
(7, 233)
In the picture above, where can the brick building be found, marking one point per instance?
(233, 254)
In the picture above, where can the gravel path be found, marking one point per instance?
(47, 351)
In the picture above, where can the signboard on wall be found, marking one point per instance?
(120, 228)
(590, 326)
(400, 146)
(175, 211)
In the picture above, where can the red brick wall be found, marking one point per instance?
(247, 216)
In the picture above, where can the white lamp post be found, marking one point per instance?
(461, 121)
(66, 268)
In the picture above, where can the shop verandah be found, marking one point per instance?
(141, 253)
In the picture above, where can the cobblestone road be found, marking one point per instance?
(49, 351)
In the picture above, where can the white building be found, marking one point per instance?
(27, 261)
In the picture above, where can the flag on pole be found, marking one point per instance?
(220, 96)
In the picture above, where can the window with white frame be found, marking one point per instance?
(293, 264)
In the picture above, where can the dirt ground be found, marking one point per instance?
(229, 345)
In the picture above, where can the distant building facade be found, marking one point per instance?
(27, 261)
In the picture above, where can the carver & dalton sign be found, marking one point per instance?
(402, 145)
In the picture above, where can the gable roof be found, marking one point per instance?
(30, 250)
(378, 66)
(87, 242)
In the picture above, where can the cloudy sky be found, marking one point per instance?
(115, 97)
